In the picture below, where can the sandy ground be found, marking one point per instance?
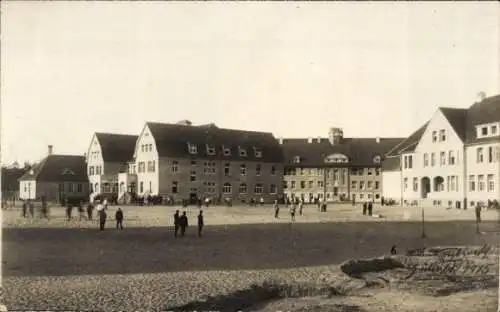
(71, 265)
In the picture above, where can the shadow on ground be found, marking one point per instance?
(59, 252)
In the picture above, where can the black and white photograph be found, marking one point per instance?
(250, 156)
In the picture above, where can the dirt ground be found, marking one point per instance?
(54, 263)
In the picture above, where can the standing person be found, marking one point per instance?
(81, 211)
(101, 210)
(478, 212)
(31, 208)
(25, 208)
(365, 208)
(45, 208)
(200, 223)
(292, 212)
(183, 223)
(119, 219)
(69, 209)
(301, 206)
(262, 201)
(177, 222)
(90, 210)
(276, 209)
(370, 208)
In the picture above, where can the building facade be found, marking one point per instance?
(182, 161)
(56, 177)
(335, 168)
(109, 155)
(453, 160)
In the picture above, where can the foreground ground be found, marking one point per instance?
(71, 265)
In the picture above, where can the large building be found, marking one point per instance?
(335, 168)
(56, 177)
(182, 161)
(453, 160)
(108, 155)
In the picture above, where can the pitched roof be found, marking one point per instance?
(360, 151)
(172, 141)
(59, 168)
(457, 117)
(116, 147)
(408, 144)
(10, 177)
(486, 111)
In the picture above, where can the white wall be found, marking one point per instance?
(426, 145)
(27, 189)
(391, 185)
(147, 178)
(94, 158)
(484, 168)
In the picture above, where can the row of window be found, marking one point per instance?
(210, 187)
(210, 168)
(94, 154)
(335, 172)
(490, 157)
(141, 166)
(444, 158)
(105, 188)
(226, 151)
(72, 187)
(369, 185)
(146, 147)
(97, 170)
(441, 137)
(310, 184)
(451, 158)
(487, 130)
(480, 182)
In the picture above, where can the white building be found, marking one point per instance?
(453, 160)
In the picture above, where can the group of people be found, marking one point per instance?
(28, 208)
(368, 208)
(181, 222)
(292, 205)
(102, 211)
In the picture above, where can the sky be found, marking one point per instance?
(69, 69)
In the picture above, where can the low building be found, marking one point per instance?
(10, 182)
(56, 177)
(453, 160)
(335, 168)
(182, 161)
(109, 155)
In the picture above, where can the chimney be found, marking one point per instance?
(50, 149)
(281, 141)
(377, 139)
(335, 136)
(309, 140)
(319, 139)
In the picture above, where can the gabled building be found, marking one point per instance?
(183, 161)
(335, 168)
(453, 160)
(56, 177)
(108, 155)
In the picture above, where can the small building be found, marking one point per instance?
(109, 155)
(335, 168)
(56, 177)
(183, 161)
(10, 182)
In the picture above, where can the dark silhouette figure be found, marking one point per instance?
(301, 206)
(102, 219)
(119, 219)
(90, 210)
(45, 208)
(200, 223)
(393, 250)
(25, 208)
(183, 223)
(276, 209)
(478, 213)
(31, 208)
(292, 212)
(69, 210)
(81, 211)
(365, 208)
(370, 208)
(177, 222)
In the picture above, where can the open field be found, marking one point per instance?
(57, 264)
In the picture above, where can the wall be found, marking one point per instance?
(94, 158)
(27, 189)
(392, 185)
(148, 179)
(485, 168)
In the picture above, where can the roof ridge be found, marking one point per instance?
(117, 134)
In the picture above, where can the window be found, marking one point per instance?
(490, 154)
(405, 183)
(442, 158)
(292, 184)
(61, 187)
(243, 169)
(480, 183)
(209, 187)
(479, 155)
(370, 185)
(451, 158)
(193, 149)
(259, 189)
(175, 188)
(91, 170)
(273, 170)
(210, 168)
(442, 135)
(296, 160)
(433, 159)
(226, 151)
(91, 186)
(243, 152)
(311, 184)
(273, 189)
(226, 189)
(193, 162)
(79, 187)
(285, 184)
(377, 185)
(151, 166)
(141, 187)
(302, 184)
(453, 183)
(226, 169)
(472, 183)
(175, 166)
(142, 148)
(354, 171)
(361, 185)
(258, 152)
(70, 187)
(243, 188)
(150, 147)
(353, 185)
(408, 162)
(484, 131)
(497, 152)
(426, 160)
(210, 149)
(150, 187)
(257, 169)
(494, 130)
(302, 171)
(491, 183)
(192, 175)
(434, 136)
(320, 183)
(369, 171)
(142, 167)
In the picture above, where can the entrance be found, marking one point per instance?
(193, 198)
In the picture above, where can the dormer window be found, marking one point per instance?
(442, 135)
(210, 149)
(377, 159)
(243, 152)
(226, 151)
(193, 149)
(434, 136)
(68, 172)
(296, 160)
(258, 152)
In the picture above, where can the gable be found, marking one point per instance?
(145, 135)
(438, 123)
(94, 152)
(59, 168)
(336, 158)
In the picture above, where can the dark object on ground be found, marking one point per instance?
(355, 268)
